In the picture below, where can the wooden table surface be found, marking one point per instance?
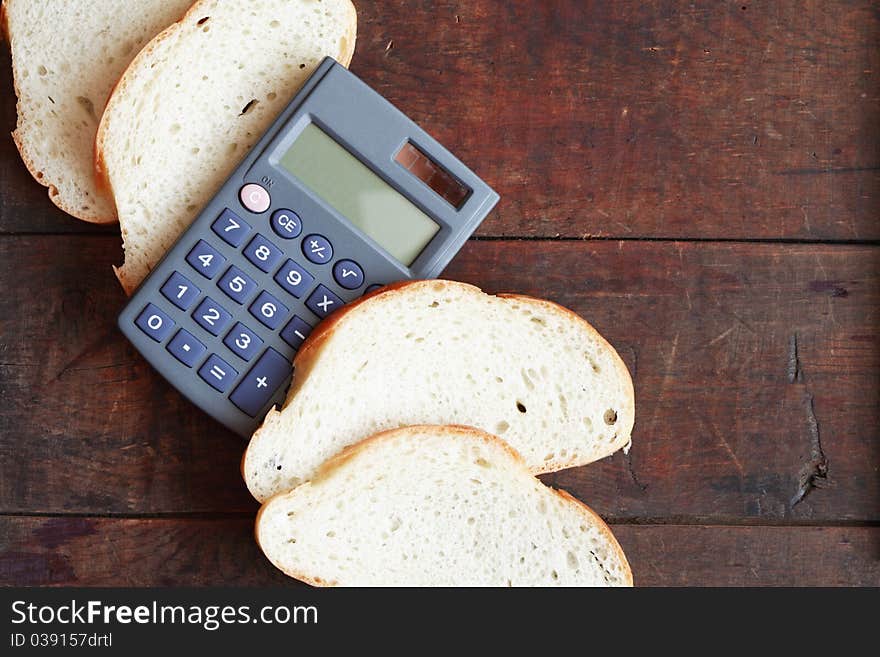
(698, 180)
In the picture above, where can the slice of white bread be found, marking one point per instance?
(440, 352)
(193, 103)
(436, 506)
(66, 57)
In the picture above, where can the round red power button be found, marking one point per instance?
(255, 198)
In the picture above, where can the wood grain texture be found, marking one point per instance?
(201, 552)
(755, 367)
(634, 118)
(756, 454)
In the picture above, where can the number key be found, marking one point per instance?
(262, 253)
(211, 316)
(155, 323)
(243, 342)
(205, 259)
(269, 310)
(237, 285)
(180, 291)
(294, 279)
(231, 228)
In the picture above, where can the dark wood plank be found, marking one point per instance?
(634, 118)
(756, 369)
(669, 555)
(71, 551)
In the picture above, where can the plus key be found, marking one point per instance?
(261, 383)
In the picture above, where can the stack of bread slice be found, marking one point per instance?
(467, 397)
(417, 418)
(189, 99)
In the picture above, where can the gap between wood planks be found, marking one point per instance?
(553, 238)
(672, 520)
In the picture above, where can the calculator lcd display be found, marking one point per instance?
(361, 196)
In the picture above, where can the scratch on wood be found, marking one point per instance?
(632, 472)
(728, 448)
(109, 423)
(719, 338)
(813, 474)
(665, 382)
(730, 451)
(85, 351)
(747, 326)
(823, 171)
(795, 371)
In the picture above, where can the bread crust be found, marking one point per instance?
(310, 352)
(32, 168)
(102, 176)
(454, 431)
(4, 26)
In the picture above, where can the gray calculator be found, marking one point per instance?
(341, 195)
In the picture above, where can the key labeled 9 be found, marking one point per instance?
(294, 279)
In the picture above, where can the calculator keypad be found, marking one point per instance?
(261, 382)
(243, 342)
(269, 310)
(217, 373)
(296, 331)
(286, 224)
(255, 198)
(322, 302)
(348, 274)
(263, 254)
(155, 323)
(294, 279)
(317, 249)
(212, 317)
(185, 348)
(237, 285)
(248, 282)
(180, 291)
(205, 259)
(231, 228)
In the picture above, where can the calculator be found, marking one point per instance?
(341, 195)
